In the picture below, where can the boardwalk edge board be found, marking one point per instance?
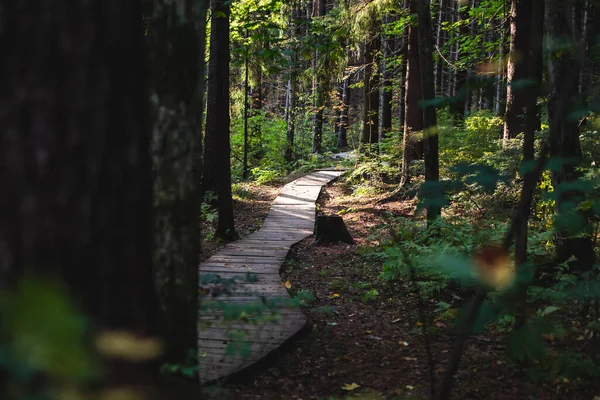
(294, 211)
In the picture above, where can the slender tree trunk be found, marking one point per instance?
(342, 141)
(402, 79)
(217, 174)
(432, 168)
(75, 168)
(500, 101)
(292, 84)
(246, 106)
(386, 89)
(520, 28)
(439, 42)
(590, 32)
(413, 123)
(319, 90)
(370, 110)
(563, 76)
(459, 103)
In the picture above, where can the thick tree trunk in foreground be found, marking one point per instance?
(563, 75)
(177, 152)
(217, 163)
(75, 166)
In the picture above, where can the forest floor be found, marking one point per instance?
(368, 346)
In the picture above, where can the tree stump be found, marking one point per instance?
(331, 229)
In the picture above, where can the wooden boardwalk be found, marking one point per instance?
(290, 219)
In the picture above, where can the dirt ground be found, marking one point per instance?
(365, 343)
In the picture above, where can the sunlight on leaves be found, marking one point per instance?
(126, 345)
(350, 386)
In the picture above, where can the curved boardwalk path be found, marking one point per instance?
(290, 219)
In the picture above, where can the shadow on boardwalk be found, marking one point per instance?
(261, 254)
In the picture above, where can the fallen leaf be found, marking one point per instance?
(287, 284)
(402, 343)
(350, 386)
(333, 296)
(410, 358)
(419, 323)
(410, 387)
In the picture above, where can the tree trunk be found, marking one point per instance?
(177, 151)
(520, 28)
(459, 103)
(75, 166)
(563, 76)
(370, 112)
(413, 123)
(432, 168)
(319, 90)
(386, 89)
(342, 141)
(246, 111)
(217, 167)
(439, 41)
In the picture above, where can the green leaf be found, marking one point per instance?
(549, 310)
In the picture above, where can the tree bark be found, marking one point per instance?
(432, 168)
(413, 122)
(520, 31)
(342, 141)
(177, 152)
(319, 90)
(75, 166)
(386, 89)
(459, 103)
(370, 114)
(563, 76)
(439, 41)
(217, 167)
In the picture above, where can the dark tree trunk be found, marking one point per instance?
(432, 168)
(386, 89)
(370, 112)
(590, 33)
(75, 166)
(319, 89)
(413, 122)
(402, 91)
(439, 41)
(342, 141)
(291, 122)
(291, 90)
(177, 152)
(520, 28)
(217, 162)
(563, 76)
(459, 103)
(246, 116)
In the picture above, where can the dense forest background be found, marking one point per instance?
(132, 133)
